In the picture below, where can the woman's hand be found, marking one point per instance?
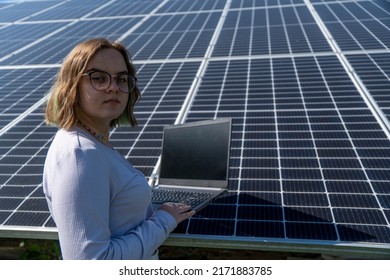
(179, 211)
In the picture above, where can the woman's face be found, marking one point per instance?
(103, 106)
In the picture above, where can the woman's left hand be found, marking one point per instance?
(179, 211)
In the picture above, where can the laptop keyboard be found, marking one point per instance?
(191, 198)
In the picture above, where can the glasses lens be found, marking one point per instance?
(126, 83)
(123, 82)
(100, 80)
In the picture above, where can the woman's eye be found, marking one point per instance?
(99, 78)
(122, 79)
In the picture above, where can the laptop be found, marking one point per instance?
(194, 165)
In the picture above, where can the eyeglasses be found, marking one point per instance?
(101, 80)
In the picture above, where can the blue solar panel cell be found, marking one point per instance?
(359, 216)
(176, 36)
(3, 178)
(299, 162)
(217, 212)
(299, 44)
(16, 36)
(125, 8)
(297, 153)
(353, 200)
(54, 50)
(384, 201)
(12, 12)
(354, 28)
(21, 89)
(212, 227)
(310, 156)
(319, 231)
(333, 143)
(363, 233)
(306, 174)
(24, 180)
(28, 219)
(190, 5)
(340, 163)
(305, 199)
(10, 203)
(259, 162)
(4, 215)
(263, 229)
(344, 174)
(16, 191)
(252, 3)
(278, 40)
(377, 8)
(378, 174)
(247, 185)
(374, 70)
(260, 213)
(353, 186)
(67, 10)
(18, 160)
(260, 198)
(308, 214)
(375, 163)
(34, 204)
(304, 186)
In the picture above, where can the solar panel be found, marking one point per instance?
(305, 82)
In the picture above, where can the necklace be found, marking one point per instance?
(100, 137)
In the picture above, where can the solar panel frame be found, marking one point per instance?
(310, 148)
(330, 174)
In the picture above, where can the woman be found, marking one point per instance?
(100, 203)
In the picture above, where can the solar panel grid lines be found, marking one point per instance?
(67, 11)
(351, 71)
(144, 19)
(52, 50)
(189, 39)
(365, 38)
(195, 84)
(310, 154)
(375, 75)
(16, 32)
(25, 175)
(50, 7)
(310, 164)
(7, 13)
(171, 49)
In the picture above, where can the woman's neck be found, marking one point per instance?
(98, 134)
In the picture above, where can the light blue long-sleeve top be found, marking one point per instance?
(100, 203)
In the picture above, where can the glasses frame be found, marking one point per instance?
(89, 74)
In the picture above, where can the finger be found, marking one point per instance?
(181, 204)
(189, 213)
(175, 204)
(184, 208)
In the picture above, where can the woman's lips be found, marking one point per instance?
(112, 101)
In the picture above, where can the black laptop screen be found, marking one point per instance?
(199, 152)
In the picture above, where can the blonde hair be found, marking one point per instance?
(63, 96)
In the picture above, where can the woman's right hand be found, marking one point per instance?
(179, 211)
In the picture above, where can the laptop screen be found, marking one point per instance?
(196, 153)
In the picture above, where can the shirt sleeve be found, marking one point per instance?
(80, 205)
